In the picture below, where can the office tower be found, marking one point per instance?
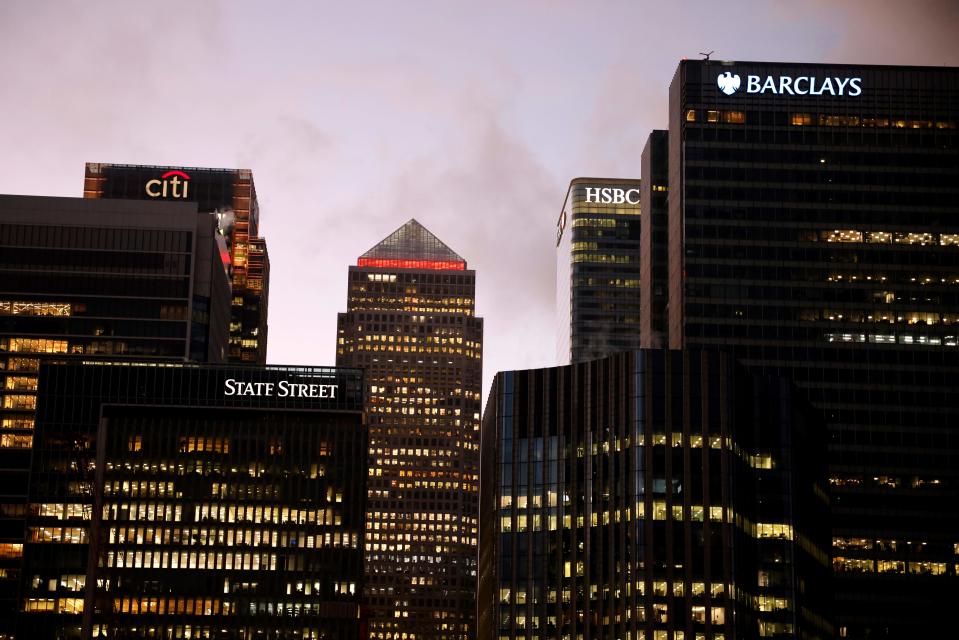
(814, 233)
(231, 195)
(411, 325)
(653, 253)
(94, 280)
(651, 494)
(597, 269)
(195, 501)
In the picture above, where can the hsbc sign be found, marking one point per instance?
(612, 195)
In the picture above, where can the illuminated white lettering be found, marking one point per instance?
(610, 195)
(804, 85)
(153, 183)
(284, 389)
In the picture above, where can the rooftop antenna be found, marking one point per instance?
(706, 55)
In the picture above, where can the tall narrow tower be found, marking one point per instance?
(411, 324)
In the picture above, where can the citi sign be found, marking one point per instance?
(729, 83)
(168, 186)
(612, 195)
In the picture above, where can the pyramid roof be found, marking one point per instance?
(412, 246)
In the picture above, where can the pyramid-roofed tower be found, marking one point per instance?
(412, 246)
(411, 326)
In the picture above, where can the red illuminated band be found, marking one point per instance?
(391, 263)
(174, 173)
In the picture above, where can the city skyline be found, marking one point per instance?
(708, 395)
(351, 128)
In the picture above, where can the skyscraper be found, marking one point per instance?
(411, 325)
(813, 231)
(94, 280)
(653, 250)
(231, 195)
(652, 494)
(597, 269)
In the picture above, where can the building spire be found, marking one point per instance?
(412, 246)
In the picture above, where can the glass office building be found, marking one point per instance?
(231, 195)
(654, 247)
(652, 495)
(813, 231)
(116, 280)
(411, 325)
(597, 269)
(192, 501)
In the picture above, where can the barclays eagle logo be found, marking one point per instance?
(728, 83)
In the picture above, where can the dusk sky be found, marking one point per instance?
(355, 117)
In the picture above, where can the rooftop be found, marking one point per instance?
(412, 246)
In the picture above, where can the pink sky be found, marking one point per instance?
(355, 117)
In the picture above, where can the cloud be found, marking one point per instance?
(484, 194)
(471, 120)
(881, 31)
(493, 203)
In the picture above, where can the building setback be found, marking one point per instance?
(186, 501)
(411, 325)
(94, 280)
(597, 269)
(813, 232)
(652, 495)
(231, 195)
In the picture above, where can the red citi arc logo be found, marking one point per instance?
(168, 186)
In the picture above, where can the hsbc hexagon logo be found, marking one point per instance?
(728, 83)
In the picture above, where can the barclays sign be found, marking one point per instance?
(729, 83)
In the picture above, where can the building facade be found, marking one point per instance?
(411, 326)
(597, 269)
(813, 231)
(231, 195)
(654, 245)
(651, 495)
(94, 280)
(189, 501)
